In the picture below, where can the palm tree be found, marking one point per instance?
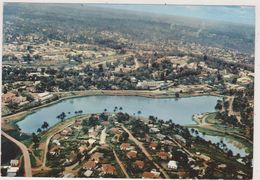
(139, 112)
(105, 109)
(39, 130)
(120, 109)
(45, 125)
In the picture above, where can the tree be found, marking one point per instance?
(124, 137)
(35, 140)
(177, 95)
(218, 106)
(229, 153)
(45, 125)
(39, 130)
(139, 112)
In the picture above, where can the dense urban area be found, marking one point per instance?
(51, 54)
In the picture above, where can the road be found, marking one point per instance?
(146, 153)
(27, 161)
(121, 165)
(231, 111)
(103, 137)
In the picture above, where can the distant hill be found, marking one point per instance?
(72, 21)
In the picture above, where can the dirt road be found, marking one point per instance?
(121, 165)
(147, 154)
(27, 161)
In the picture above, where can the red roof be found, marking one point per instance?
(124, 146)
(153, 145)
(149, 175)
(131, 154)
(139, 164)
(163, 155)
(89, 165)
(108, 169)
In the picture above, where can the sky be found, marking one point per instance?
(235, 14)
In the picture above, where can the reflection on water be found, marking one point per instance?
(225, 142)
(180, 111)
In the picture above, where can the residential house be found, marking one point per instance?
(156, 173)
(14, 163)
(89, 165)
(164, 155)
(125, 146)
(131, 154)
(172, 165)
(160, 136)
(154, 130)
(153, 145)
(11, 171)
(108, 169)
(149, 175)
(88, 173)
(96, 157)
(139, 164)
(6, 98)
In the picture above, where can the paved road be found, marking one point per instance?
(27, 161)
(147, 154)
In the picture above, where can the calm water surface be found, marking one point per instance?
(235, 146)
(180, 111)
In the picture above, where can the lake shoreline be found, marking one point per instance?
(16, 117)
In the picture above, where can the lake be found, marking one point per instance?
(178, 110)
(231, 144)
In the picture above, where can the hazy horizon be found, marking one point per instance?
(234, 14)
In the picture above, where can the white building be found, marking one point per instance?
(172, 165)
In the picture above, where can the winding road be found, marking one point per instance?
(26, 155)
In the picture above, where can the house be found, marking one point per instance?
(139, 164)
(153, 145)
(89, 165)
(55, 141)
(131, 154)
(88, 173)
(154, 130)
(82, 149)
(180, 139)
(160, 136)
(164, 155)
(11, 171)
(222, 166)
(125, 146)
(14, 163)
(45, 96)
(172, 165)
(204, 157)
(56, 137)
(19, 100)
(78, 122)
(108, 169)
(54, 150)
(115, 130)
(6, 98)
(149, 175)
(156, 173)
(96, 157)
(66, 131)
